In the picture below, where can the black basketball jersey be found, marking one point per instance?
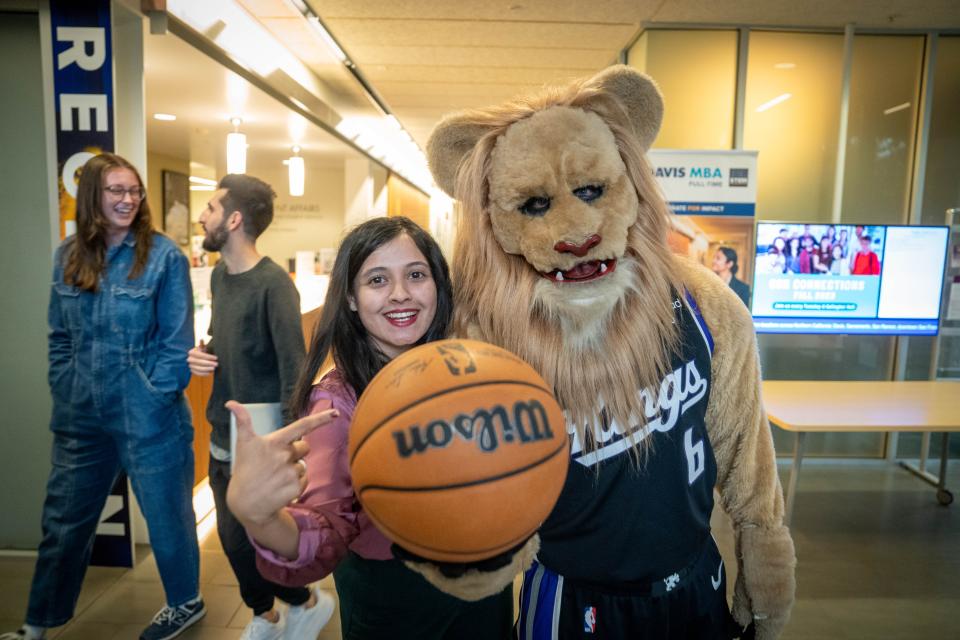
(618, 521)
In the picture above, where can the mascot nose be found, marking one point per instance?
(578, 250)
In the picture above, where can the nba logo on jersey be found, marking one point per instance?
(589, 619)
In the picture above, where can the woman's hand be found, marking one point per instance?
(269, 471)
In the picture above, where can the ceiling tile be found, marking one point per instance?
(608, 11)
(475, 74)
(474, 33)
(588, 59)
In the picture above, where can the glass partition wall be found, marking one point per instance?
(797, 97)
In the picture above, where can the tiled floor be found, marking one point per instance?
(878, 559)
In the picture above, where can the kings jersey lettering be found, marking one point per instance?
(662, 408)
(525, 422)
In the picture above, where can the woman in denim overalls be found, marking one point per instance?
(121, 322)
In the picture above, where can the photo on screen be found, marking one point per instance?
(723, 244)
(848, 279)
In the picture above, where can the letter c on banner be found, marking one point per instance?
(69, 174)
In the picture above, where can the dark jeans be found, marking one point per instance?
(257, 592)
(89, 450)
(382, 599)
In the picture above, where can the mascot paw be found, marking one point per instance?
(765, 586)
(475, 581)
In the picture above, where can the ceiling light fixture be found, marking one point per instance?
(772, 103)
(899, 107)
(785, 65)
(327, 38)
(166, 117)
(382, 143)
(236, 149)
(321, 30)
(296, 172)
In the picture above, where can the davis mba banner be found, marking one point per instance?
(713, 194)
(711, 183)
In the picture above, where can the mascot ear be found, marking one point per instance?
(639, 95)
(449, 144)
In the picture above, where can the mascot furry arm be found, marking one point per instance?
(747, 479)
(529, 176)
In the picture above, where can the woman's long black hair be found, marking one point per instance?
(339, 330)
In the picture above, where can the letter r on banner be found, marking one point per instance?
(80, 36)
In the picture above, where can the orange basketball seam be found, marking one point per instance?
(535, 463)
(437, 395)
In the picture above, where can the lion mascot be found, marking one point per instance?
(562, 258)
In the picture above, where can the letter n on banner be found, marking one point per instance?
(83, 101)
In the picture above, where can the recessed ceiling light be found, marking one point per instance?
(785, 65)
(167, 117)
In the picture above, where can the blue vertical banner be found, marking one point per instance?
(83, 93)
(83, 102)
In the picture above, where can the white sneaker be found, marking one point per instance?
(24, 633)
(262, 629)
(304, 623)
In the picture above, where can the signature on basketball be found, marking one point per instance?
(526, 422)
(414, 367)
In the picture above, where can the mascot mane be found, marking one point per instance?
(614, 362)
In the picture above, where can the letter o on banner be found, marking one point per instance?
(70, 167)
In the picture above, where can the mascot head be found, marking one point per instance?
(561, 253)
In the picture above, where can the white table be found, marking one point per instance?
(828, 406)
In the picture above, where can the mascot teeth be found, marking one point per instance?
(583, 272)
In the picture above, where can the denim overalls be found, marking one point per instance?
(118, 367)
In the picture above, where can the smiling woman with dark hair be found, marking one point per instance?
(389, 291)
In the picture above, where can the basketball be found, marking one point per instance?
(458, 450)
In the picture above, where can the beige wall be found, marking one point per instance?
(697, 74)
(157, 163)
(306, 223)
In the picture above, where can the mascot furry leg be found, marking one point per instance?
(562, 258)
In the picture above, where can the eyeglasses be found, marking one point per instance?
(135, 193)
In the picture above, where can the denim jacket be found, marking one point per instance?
(129, 333)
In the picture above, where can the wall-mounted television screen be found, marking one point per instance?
(848, 279)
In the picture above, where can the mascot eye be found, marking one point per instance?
(589, 193)
(535, 206)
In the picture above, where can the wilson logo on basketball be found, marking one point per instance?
(528, 422)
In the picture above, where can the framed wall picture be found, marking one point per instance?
(176, 206)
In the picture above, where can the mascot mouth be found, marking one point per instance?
(582, 272)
